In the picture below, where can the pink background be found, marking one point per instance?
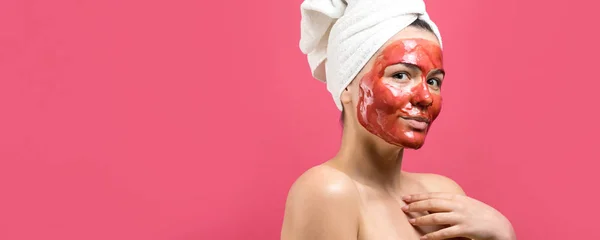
(131, 119)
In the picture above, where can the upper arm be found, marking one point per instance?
(322, 204)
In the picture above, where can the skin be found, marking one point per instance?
(362, 193)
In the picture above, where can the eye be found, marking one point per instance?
(401, 76)
(434, 82)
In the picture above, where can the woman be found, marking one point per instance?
(382, 62)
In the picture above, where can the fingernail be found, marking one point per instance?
(406, 198)
(405, 208)
(424, 237)
(412, 221)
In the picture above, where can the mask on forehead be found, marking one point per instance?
(400, 97)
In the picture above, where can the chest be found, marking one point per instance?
(383, 219)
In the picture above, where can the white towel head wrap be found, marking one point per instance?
(340, 36)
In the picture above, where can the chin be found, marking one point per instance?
(411, 143)
(414, 143)
(410, 139)
(415, 146)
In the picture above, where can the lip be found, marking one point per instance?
(417, 118)
(417, 122)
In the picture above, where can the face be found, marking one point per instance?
(399, 97)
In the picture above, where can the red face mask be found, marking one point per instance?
(400, 96)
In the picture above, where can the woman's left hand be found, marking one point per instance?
(463, 216)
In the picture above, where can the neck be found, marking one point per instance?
(374, 163)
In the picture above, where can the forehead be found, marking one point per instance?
(411, 45)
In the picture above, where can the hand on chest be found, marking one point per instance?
(382, 217)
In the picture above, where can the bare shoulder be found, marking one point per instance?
(322, 184)
(438, 183)
(323, 203)
(325, 180)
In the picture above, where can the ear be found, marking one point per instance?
(346, 96)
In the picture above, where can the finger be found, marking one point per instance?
(431, 205)
(425, 196)
(436, 219)
(446, 233)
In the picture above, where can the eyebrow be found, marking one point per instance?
(411, 66)
(417, 68)
(437, 71)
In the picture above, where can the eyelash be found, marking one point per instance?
(400, 73)
(438, 81)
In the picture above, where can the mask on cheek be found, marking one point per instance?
(401, 110)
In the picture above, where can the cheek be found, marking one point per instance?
(436, 107)
(390, 97)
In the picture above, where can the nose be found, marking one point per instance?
(422, 96)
